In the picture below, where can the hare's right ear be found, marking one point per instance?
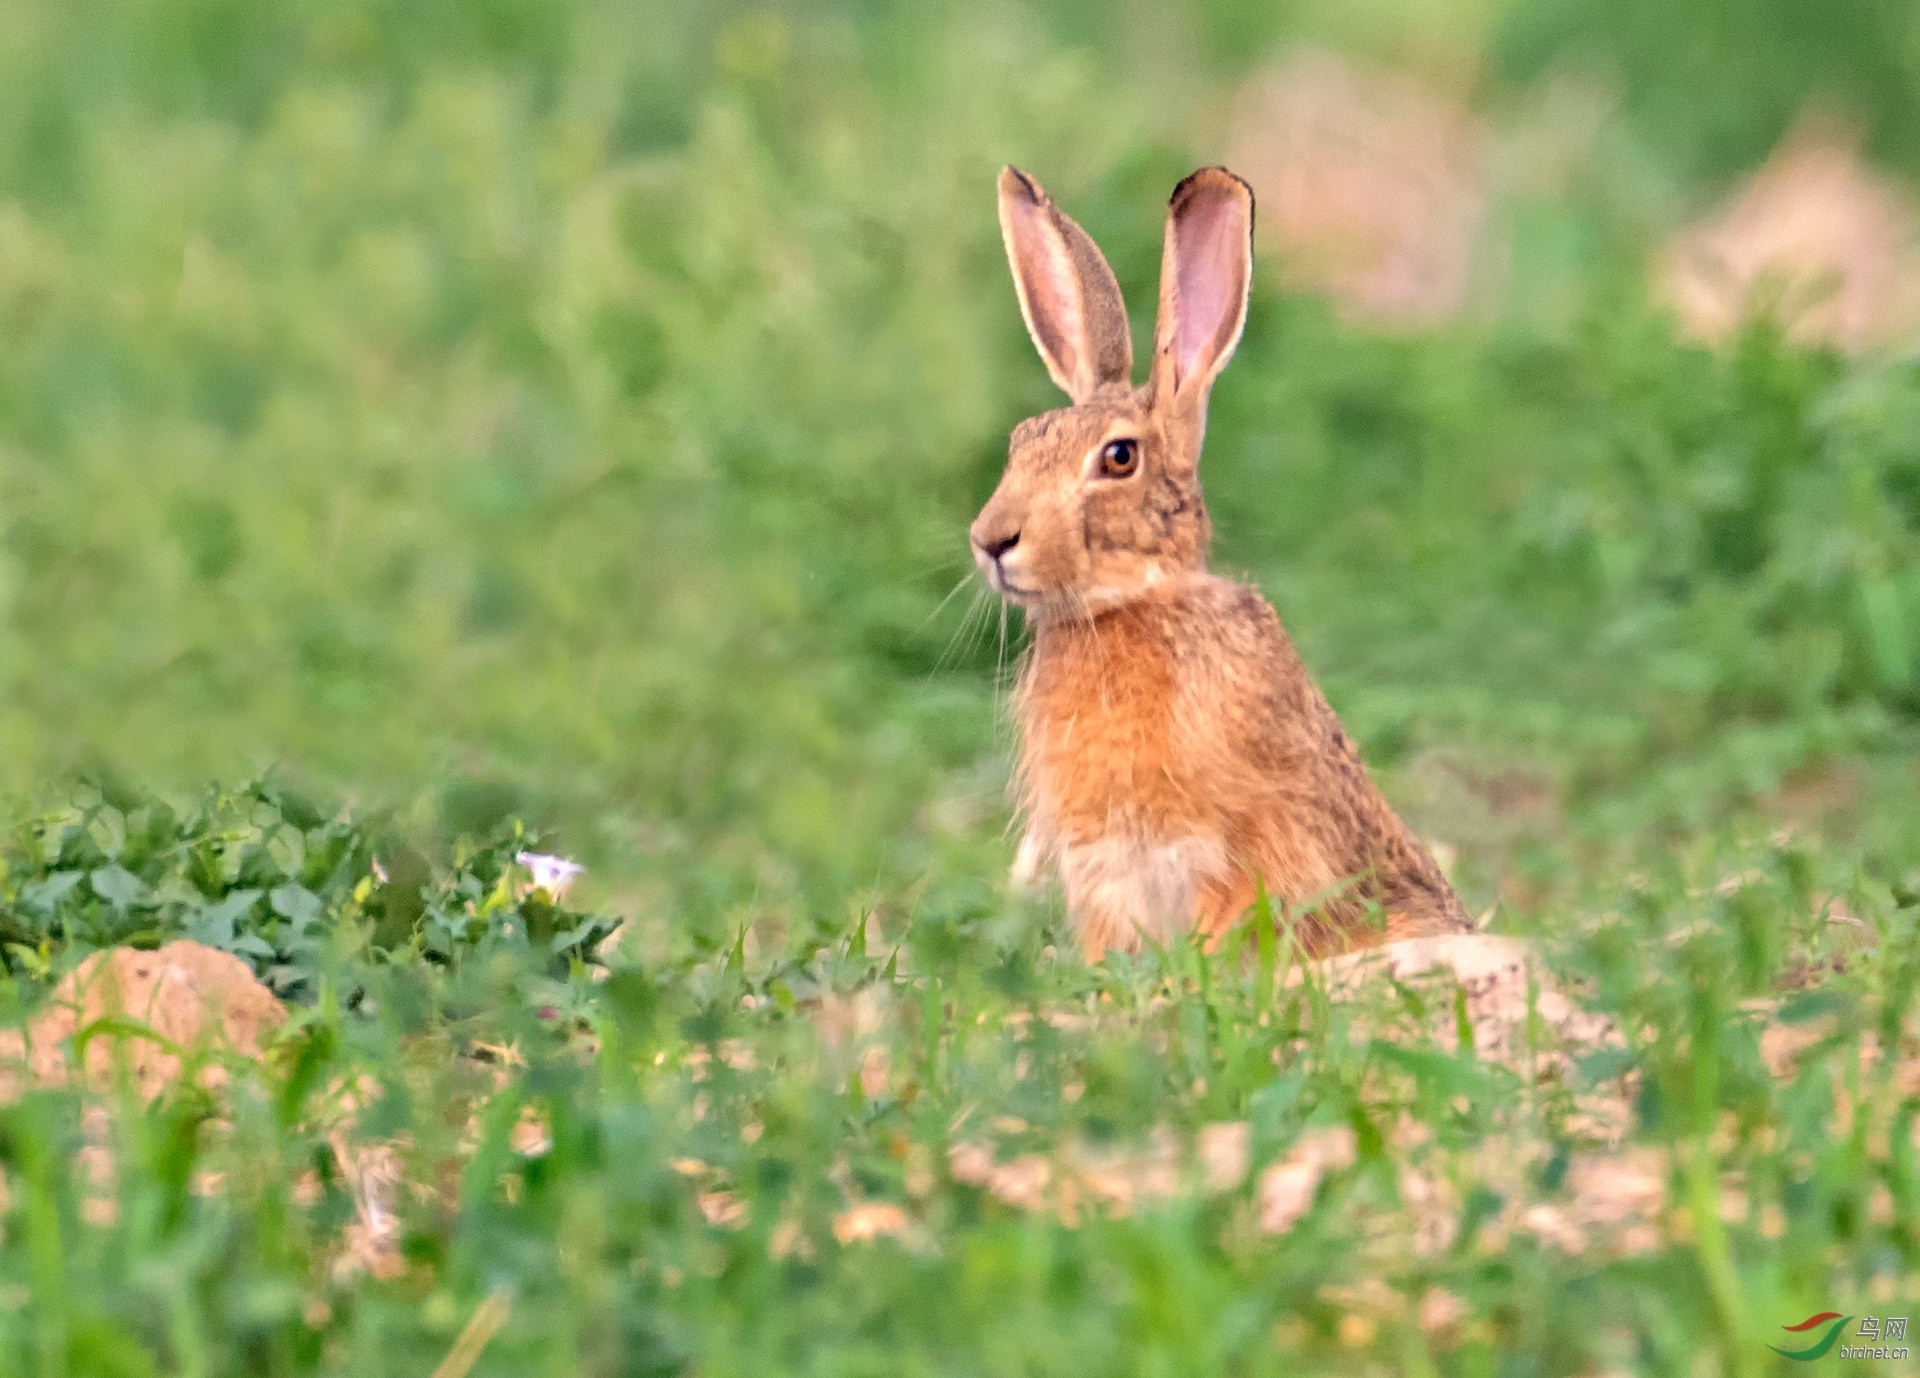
(1068, 295)
(1206, 269)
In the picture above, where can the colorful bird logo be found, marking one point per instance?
(1833, 1320)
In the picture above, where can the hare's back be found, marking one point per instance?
(1238, 662)
(1285, 769)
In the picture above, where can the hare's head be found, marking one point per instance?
(1101, 499)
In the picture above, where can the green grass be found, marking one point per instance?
(698, 1067)
(572, 413)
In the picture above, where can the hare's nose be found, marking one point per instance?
(993, 547)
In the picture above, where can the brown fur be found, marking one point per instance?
(1176, 753)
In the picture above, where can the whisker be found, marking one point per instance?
(964, 635)
(1000, 661)
(941, 606)
(941, 565)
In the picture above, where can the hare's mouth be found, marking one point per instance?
(1001, 584)
(994, 569)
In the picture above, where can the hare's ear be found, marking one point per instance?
(1068, 294)
(1206, 270)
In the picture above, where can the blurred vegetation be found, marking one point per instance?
(571, 412)
(575, 411)
(259, 873)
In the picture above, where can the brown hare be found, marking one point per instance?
(1175, 752)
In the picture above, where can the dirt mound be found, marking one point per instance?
(1372, 185)
(1815, 239)
(181, 1000)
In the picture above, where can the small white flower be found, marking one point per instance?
(554, 874)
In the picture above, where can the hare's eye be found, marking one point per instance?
(1119, 458)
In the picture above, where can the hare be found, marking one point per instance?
(1175, 753)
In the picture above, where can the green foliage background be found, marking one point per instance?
(572, 412)
(575, 410)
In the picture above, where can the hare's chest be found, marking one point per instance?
(1101, 751)
(1115, 791)
(1122, 888)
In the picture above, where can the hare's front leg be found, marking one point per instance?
(1125, 890)
(1221, 903)
(1030, 860)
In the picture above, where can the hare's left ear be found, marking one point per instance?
(1206, 270)
(1068, 294)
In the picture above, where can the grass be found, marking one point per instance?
(571, 414)
(712, 1115)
